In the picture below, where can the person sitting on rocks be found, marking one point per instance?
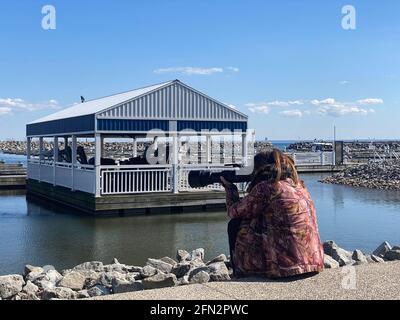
(273, 231)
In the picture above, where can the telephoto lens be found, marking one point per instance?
(202, 178)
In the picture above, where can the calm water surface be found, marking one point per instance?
(31, 233)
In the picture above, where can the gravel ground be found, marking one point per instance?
(373, 281)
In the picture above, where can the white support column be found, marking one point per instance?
(55, 159)
(97, 164)
(40, 157)
(134, 151)
(103, 152)
(208, 149)
(73, 162)
(175, 163)
(28, 153)
(28, 148)
(244, 149)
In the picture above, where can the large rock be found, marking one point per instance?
(29, 268)
(148, 271)
(122, 286)
(33, 272)
(83, 294)
(183, 281)
(220, 258)
(181, 269)
(197, 263)
(340, 255)
(91, 277)
(382, 249)
(59, 293)
(127, 268)
(92, 265)
(98, 290)
(330, 263)
(107, 278)
(182, 255)
(31, 290)
(169, 260)
(392, 254)
(359, 257)
(199, 277)
(377, 259)
(48, 279)
(24, 296)
(197, 254)
(10, 285)
(218, 271)
(73, 280)
(160, 265)
(160, 280)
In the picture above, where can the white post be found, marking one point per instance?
(28, 152)
(175, 167)
(97, 164)
(73, 162)
(55, 159)
(322, 158)
(334, 146)
(28, 148)
(208, 148)
(40, 157)
(134, 151)
(102, 148)
(244, 149)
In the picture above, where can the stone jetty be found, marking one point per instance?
(383, 175)
(93, 279)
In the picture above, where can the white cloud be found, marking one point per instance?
(341, 109)
(5, 110)
(190, 70)
(258, 108)
(8, 105)
(233, 69)
(343, 82)
(370, 101)
(276, 103)
(328, 101)
(295, 113)
(328, 107)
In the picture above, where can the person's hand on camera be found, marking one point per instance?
(231, 190)
(225, 183)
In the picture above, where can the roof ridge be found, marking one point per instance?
(140, 88)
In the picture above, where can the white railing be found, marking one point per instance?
(60, 174)
(135, 179)
(312, 158)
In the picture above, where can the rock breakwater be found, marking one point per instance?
(383, 175)
(94, 278)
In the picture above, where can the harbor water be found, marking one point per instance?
(42, 235)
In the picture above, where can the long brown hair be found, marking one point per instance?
(273, 166)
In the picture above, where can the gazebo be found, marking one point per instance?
(163, 114)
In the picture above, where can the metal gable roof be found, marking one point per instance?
(171, 101)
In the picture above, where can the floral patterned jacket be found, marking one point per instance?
(278, 236)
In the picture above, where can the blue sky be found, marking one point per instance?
(288, 64)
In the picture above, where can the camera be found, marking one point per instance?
(202, 178)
